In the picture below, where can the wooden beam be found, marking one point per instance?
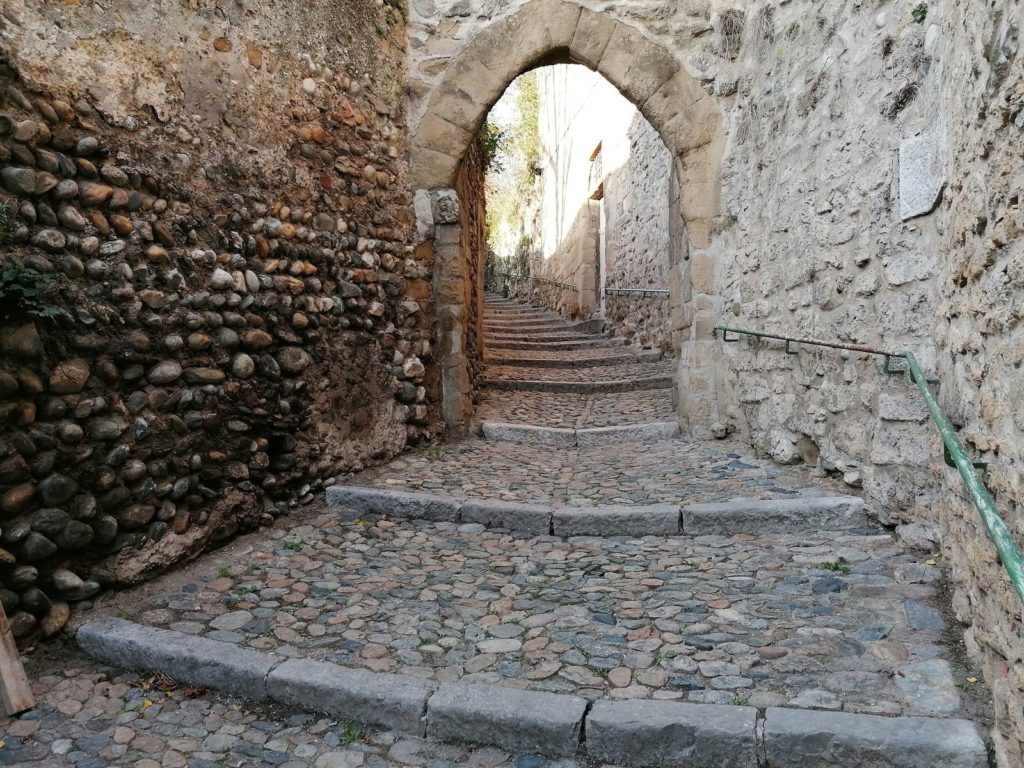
(15, 693)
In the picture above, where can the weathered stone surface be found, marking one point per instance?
(529, 434)
(672, 734)
(187, 659)
(354, 501)
(646, 520)
(520, 518)
(369, 698)
(809, 739)
(790, 515)
(549, 724)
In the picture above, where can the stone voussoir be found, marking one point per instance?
(795, 738)
(671, 733)
(645, 520)
(356, 501)
(525, 721)
(838, 513)
(370, 698)
(187, 659)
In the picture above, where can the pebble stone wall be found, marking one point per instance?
(225, 232)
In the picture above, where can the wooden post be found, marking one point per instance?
(15, 693)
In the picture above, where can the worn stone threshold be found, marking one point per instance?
(637, 733)
(615, 357)
(750, 516)
(529, 434)
(581, 387)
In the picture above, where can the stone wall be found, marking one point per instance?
(220, 226)
(473, 225)
(981, 334)
(868, 194)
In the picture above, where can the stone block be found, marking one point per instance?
(834, 513)
(648, 520)
(635, 65)
(529, 434)
(659, 430)
(519, 518)
(355, 501)
(796, 738)
(922, 173)
(185, 658)
(901, 443)
(368, 698)
(593, 31)
(519, 721)
(430, 169)
(670, 733)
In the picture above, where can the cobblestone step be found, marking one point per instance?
(584, 342)
(570, 335)
(575, 358)
(639, 733)
(641, 383)
(531, 434)
(745, 516)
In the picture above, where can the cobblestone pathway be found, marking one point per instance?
(827, 620)
(675, 471)
(91, 716)
(841, 621)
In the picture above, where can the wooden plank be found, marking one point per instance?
(15, 693)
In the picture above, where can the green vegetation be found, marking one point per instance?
(225, 572)
(294, 545)
(5, 222)
(739, 701)
(348, 733)
(25, 295)
(512, 173)
(920, 12)
(836, 566)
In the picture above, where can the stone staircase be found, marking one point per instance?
(559, 373)
(577, 580)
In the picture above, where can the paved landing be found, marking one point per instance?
(91, 716)
(665, 471)
(840, 622)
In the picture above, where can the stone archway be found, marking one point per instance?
(687, 118)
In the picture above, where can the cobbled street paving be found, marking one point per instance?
(90, 716)
(671, 471)
(832, 622)
(571, 411)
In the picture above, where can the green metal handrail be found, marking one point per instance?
(955, 453)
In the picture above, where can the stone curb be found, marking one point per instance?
(518, 518)
(380, 699)
(672, 733)
(836, 513)
(646, 520)
(796, 738)
(581, 387)
(530, 434)
(839, 513)
(515, 720)
(624, 433)
(359, 501)
(557, 346)
(188, 659)
(662, 734)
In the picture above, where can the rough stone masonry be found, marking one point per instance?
(217, 196)
(210, 301)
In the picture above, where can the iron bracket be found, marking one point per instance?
(948, 458)
(789, 351)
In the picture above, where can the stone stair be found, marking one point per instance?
(535, 350)
(577, 580)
